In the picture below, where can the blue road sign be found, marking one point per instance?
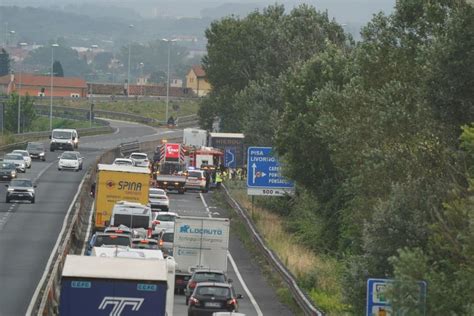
(230, 160)
(377, 303)
(264, 173)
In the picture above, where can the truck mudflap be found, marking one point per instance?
(181, 281)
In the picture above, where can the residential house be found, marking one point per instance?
(37, 85)
(196, 80)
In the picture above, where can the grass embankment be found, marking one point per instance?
(42, 124)
(318, 275)
(155, 109)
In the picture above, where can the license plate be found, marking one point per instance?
(212, 304)
(5, 177)
(20, 194)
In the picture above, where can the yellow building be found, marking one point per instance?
(196, 80)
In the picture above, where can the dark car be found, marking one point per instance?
(20, 190)
(108, 239)
(204, 275)
(7, 170)
(36, 150)
(211, 297)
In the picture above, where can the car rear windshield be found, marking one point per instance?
(114, 240)
(139, 156)
(34, 147)
(195, 174)
(209, 277)
(7, 165)
(23, 153)
(168, 237)
(131, 221)
(21, 183)
(13, 157)
(166, 218)
(213, 291)
(69, 156)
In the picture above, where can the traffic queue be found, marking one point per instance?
(141, 252)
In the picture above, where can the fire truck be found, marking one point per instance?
(169, 168)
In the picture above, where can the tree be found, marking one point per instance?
(4, 63)
(27, 114)
(58, 69)
(158, 76)
(70, 60)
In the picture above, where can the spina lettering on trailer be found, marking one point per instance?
(130, 186)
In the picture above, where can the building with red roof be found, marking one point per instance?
(38, 85)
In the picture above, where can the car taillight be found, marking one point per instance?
(192, 284)
(193, 301)
(156, 222)
(161, 242)
(232, 302)
(201, 179)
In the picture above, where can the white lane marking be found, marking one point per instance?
(53, 252)
(246, 289)
(236, 269)
(42, 171)
(205, 205)
(117, 130)
(83, 250)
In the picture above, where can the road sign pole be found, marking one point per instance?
(253, 202)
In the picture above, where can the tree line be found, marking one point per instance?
(376, 134)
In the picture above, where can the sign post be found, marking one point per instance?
(264, 173)
(377, 303)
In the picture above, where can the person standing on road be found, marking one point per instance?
(218, 179)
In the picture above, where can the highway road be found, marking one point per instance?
(28, 232)
(259, 297)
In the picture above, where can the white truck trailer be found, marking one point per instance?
(199, 242)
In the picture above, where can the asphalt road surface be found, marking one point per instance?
(259, 297)
(28, 232)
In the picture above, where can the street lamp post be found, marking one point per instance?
(90, 91)
(141, 79)
(169, 41)
(19, 95)
(131, 26)
(51, 89)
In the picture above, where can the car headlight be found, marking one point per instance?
(10, 190)
(31, 190)
(41, 154)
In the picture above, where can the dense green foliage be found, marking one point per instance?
(27, 113)
(58, 69)
(4, 63)
(369, 132)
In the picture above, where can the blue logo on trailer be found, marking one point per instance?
(377, 302)
(264, 170)
(230, 160)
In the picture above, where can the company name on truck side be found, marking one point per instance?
(201, 231)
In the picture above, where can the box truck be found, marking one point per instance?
(199, 242)
(194, 137)
(118, 183)
(103, 286)
(232, 144)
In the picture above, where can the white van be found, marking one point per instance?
(66, 139)
(133, 215)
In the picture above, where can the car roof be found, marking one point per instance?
(164, 213)
(16, 154)
(219, 284)
(20, 151)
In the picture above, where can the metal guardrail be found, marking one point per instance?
(298, 295)
(73, 236)
(127, 148)
(26, 137)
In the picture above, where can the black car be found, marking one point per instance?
(7, 171)
(204, 275)
(20, 190)
(211, 297)
(36, 150)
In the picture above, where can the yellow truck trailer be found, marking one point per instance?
(118, 183)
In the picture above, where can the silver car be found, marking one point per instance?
(17, 159)
(26, 156)
(140, 160)
(20, 189)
